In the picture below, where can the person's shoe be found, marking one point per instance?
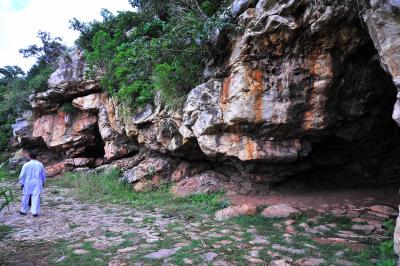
(35, 215)
(22, 213)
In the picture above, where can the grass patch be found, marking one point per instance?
(148, 220)
(61, 249)
(5, 230)
(107, 187)
(187, 253)
(128, 221)
(109, 234)
(342, 222)
(73, 226)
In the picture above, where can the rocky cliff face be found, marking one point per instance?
(305, 90)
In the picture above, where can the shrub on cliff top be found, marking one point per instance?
(162, 47)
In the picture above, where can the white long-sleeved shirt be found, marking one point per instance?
(33, 177)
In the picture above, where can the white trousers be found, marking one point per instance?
(35, 203)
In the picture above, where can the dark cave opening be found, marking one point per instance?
(97, 149)
(362, 147)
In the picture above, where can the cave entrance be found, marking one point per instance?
(96, 151)
(362, 145)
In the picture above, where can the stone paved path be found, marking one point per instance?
(107, 234)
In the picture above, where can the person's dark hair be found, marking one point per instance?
(32, 154)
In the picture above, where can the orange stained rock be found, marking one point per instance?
(225, 90)
(308, 117)
(250, 148)
(258, 89)
(320, 64)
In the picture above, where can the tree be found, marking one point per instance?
(49, 52)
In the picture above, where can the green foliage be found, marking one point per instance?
(13, 101)
(15, 86)
(68, 108)
(6, 194)
(108, 187)
(48, 52)
(161, 49)
(38, 82)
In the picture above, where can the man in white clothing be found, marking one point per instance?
(32, 179)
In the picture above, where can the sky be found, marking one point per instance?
(20, 21)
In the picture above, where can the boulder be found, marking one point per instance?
(70, 70)
(182, 171)
(65, 84)
(279, 211)
(56, 169)
(73, 133)
(143, 186)
(116, 145)
(18, 160)
(52, 99)
(91, 102)
(79, 162)
(148, 168)
(206, 182)
(234, 211)
(385, 210)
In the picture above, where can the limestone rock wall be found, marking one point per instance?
(305, 90)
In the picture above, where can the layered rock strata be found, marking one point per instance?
(306, 89)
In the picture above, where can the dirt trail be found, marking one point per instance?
(70, 232)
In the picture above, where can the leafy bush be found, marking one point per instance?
(6, 194)
(68, 108)
(162, 48)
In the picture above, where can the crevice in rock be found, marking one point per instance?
(96, 151)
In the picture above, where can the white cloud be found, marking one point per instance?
(18, 29)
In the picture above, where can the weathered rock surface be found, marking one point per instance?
(149, 168)
(234, 211)
(306, 89)
(73, 133)
(279, 211)
(206, 182)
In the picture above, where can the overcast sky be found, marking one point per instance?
(20, 21)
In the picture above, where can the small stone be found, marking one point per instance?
(234, 211)
(259, 240)
(389, 211)
(80, 252)
(209, 256)
(127, 250)
(290, 229)
(288, 250)
(117, 263)
(363, 227)
(215, 235)
(338, 212)
(100, 246)
(290, 222)
(255, 253)
(279, 211)
(312, 262)
(162, 253)
(253, 260)
(378, 215)
(322, 228)
(339, 253)
(179, 245)
(61, 259)
(225, 242)
(282, 262)
(187, 261)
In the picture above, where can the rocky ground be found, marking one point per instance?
(72, 232)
